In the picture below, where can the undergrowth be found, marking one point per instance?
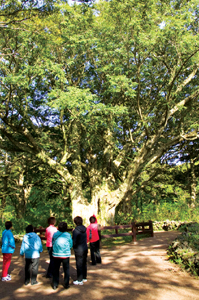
(184, 250)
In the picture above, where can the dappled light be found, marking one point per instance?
(134, 271)
(99, 111)
(99, 107)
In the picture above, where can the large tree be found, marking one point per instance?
(100, 93)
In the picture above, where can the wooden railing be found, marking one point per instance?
(135, 229)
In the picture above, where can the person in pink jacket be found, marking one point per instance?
(94, 238)
(50, 230)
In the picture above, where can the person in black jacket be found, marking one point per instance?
(81, 250)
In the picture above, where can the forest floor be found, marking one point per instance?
(138, 271)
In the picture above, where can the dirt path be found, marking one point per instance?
(132, 271)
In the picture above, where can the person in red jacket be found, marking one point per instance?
(93, 237)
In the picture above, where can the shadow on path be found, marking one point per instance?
(133, 271)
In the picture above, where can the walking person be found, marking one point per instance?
(8, 248)
(50, 230)
(32, 247)
(62, 244)
(81, 250)
(93, 236)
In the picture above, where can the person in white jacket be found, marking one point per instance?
(32, 247)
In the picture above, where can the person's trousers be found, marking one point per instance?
(95, 252)
(81, 265)
(6, 263)
(51, 264)
(32, 264)
(57, 264)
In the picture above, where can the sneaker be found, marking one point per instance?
(8, 275)
(76, 282)
(6, 278)
(34, 282)
(66, 286)
(84, 280)
(54, 287)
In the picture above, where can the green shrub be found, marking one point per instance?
(158, 211)
(184, 250)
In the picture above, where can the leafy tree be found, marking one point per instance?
(190, 157)
(31, 192)
(100, 93)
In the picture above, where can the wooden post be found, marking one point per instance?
(151, 227)
(134, 232)
(142, 228)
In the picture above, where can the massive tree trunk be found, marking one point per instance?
(106, 194)
(103, 205)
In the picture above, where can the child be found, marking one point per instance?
(81, 250)
(8, 248)
(94, 238)
(62, 243)
(32, 247)
(50, 230)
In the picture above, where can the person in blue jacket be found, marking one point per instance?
(62, 243)
(32, 247)
(8, 248)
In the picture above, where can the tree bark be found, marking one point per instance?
(193, 184)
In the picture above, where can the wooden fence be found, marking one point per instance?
(135, 229)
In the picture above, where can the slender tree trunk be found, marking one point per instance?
(24, 193)
(193, 184)
(5, 188)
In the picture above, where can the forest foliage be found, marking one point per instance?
(99, 110)
(184, 249)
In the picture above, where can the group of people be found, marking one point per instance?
(59, 243)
